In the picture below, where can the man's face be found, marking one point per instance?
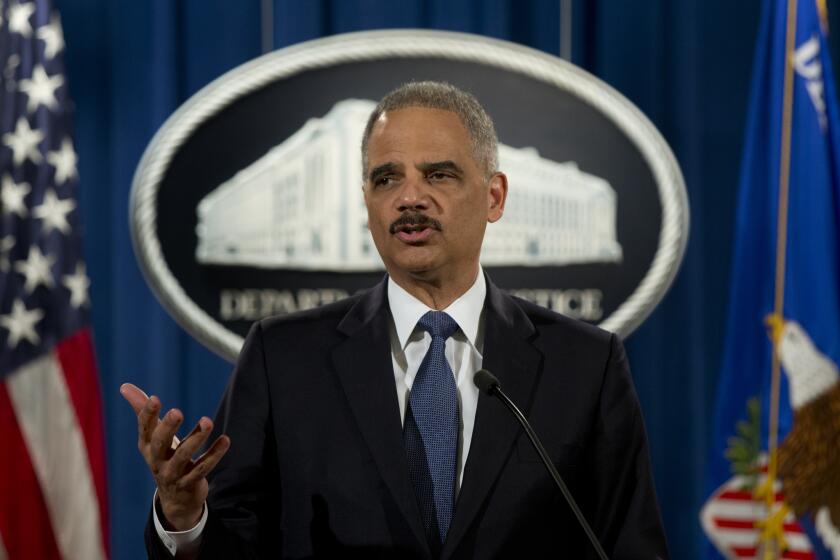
(427, 199)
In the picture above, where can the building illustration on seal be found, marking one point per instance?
(300, 206)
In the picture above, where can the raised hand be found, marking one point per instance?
(181, 480)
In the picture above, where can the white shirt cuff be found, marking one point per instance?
(184, 542)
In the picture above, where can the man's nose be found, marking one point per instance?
(412, 195)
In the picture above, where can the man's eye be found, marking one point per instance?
(438, 176)
(383, 181)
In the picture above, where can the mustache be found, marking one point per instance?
(414, 219)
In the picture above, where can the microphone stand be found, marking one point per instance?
(488, 383)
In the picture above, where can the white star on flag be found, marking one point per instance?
(36, 269)
(64, 161)
(52, 36)
(6, 245)
(24, 142)
(12, 196)
(40, 89)
(54, 212)
(78, 284)
(21, 323)
(19, 15)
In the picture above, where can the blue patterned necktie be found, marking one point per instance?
(431, 430)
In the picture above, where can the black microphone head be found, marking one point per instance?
(485, 381)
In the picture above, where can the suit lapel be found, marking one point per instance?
(511, 357)
(364, 367)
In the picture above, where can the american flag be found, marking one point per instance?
(52, 471)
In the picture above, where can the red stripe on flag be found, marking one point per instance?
(727, 523)
(744, 496)
(75, 354)
(799, 555)
(751, 551)
(734, 523)
(793, 527)
(24, 520)
(745, 551)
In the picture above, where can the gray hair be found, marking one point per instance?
(444, 96)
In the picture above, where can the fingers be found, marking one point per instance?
(171, 461)
(207, 461)
(161, 438)
(147, 421)
(182, 457)
(134, 395)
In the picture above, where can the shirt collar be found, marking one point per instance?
(466, 310)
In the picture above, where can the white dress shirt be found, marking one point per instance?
(409, 345)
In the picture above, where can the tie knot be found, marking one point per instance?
(438, 324)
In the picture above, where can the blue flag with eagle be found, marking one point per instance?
(773, 472)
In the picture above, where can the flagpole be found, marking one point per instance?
(781, 250)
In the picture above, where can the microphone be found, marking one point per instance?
(489, 385)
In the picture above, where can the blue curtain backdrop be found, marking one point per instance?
(686, 64)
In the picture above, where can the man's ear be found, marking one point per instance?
(496, 196)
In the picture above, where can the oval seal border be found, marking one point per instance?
(372, 45)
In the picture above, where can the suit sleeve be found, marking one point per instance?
(244, 497)
(625, 512)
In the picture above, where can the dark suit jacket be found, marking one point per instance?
(317, 466)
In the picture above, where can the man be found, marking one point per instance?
(355, 429)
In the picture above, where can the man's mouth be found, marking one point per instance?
(414, 233)
(414, 228)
